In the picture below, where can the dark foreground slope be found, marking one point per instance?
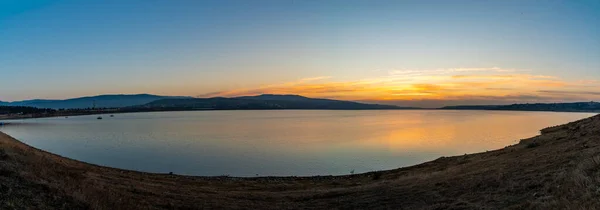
(559, 169)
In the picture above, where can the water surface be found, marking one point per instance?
(280, 143)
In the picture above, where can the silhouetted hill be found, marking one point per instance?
(262, 102)
(556, 107)
(106, 101)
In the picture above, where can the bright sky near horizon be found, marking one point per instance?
(423, 53)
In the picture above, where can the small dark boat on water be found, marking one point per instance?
(99, 118)
(111, 115)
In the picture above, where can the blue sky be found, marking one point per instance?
(62, 49)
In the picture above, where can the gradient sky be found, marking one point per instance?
(426, 53)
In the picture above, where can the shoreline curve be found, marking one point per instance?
(517, 176)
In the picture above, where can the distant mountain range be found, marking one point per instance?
(555, 107)
(101, 101)
(154, 102)
(266, 101)
(141, 102)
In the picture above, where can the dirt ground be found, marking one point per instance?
(559, 169)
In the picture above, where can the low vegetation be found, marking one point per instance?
(551, 107)
(7, 110)
(562, 171)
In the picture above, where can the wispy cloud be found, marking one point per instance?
(566, 92)
(453, 84)
(315, 78)
(415, 72)
(265, 88)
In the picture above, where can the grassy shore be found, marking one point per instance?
(559, 169)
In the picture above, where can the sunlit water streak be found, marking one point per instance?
(298, 143)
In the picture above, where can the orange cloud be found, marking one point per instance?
(442, 84)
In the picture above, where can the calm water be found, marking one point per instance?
(247, 143)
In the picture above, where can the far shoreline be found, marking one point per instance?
(208, 110)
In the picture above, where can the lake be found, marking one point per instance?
(280, 143)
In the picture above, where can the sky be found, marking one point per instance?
(414, 53)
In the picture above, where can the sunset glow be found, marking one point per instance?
(409, 53)
(402, 86)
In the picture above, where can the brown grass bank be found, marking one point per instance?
(559, 169)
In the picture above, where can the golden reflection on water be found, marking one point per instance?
(473, 133)
(246, 143)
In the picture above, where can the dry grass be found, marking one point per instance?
(559, 169)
